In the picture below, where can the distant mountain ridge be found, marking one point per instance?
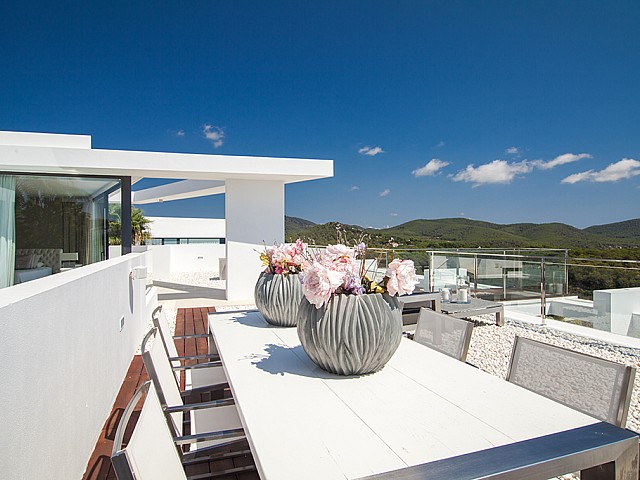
(462, 232)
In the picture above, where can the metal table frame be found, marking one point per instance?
(476, 306)
(612, 452)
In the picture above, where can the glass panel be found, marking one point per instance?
(68, 213)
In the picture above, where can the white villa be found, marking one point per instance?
(74, 310)
(69, 336)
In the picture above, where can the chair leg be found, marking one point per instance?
(625, 467)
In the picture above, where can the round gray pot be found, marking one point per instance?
(351, 334)
(278, 297)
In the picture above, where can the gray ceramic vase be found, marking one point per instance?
(351, 334)
(278, 297)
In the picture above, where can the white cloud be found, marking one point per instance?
(561, 160)
(624, 169)
(353, 188)
(440, 144)
(371, 151)
(214, 134)
(385, 192)
(513, 151)
(432, 167)
(498, 171)
(393, 214)
(180, 133)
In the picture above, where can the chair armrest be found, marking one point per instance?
(199, 406)
(201, 455)
(205, 389)
(213, 356)
(194, 335)
(201, 437)
(198, 365)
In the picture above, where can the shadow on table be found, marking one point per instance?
(282, 359)
(249, 318)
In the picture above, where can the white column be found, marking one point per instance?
(254, 211)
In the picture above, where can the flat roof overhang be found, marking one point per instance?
(138, 164)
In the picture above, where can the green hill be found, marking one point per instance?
(627, 230)
(454, 231)
(466, 233)
(294, 225)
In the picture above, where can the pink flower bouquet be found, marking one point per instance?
(340, 270)
(285, 258)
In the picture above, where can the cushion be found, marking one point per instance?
(23, 262)
(36, 260)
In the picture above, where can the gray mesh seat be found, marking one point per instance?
(444, 333)
(151, 451)
(600, 388)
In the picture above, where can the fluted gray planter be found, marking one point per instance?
(278, 297)
(351, 334)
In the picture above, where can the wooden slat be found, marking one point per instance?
(99, 466)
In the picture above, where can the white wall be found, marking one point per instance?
(185, 258)
(174, 227)
(254, 211)
(34, 139)
(63, 360)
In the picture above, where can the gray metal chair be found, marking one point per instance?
(600, 388)
(194, 377)
(444, 333)
(152, 452)
(411, 305)
(160, 321)
(203, 418)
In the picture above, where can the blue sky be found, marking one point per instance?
(497, 111)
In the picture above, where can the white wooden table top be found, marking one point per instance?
(303, 422)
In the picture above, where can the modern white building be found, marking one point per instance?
(68, 338)
(56, 190)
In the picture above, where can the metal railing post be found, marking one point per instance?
(475, 275)
(566, 272)
(543, 299)
(431, 265)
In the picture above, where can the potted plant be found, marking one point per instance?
(278, 291)
(347, 323)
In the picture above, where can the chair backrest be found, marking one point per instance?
(600, 388)
(161, 374)
(444, 333)
(150, 452)
(161, 323)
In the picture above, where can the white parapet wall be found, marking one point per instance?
(618, 305)
(67, 342)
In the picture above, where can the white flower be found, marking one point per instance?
(402, 277)
(320, 282)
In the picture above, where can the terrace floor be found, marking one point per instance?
(188, 321)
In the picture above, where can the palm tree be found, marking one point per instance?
(139, 224)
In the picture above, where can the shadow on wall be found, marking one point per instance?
(179, 291)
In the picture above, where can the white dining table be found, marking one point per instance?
(423, 412)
